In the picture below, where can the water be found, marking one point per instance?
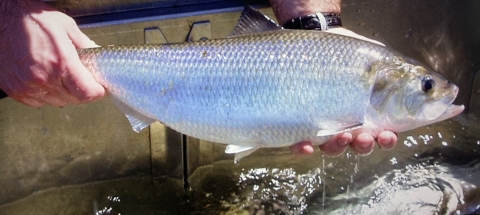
(433, 170)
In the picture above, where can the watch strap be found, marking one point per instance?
(316, 21)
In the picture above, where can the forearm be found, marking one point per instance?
(11, 8)
(288, 9)
(8, 10)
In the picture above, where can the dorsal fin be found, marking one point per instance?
(253, 21)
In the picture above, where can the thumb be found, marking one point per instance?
(78, 79)
(348, 33)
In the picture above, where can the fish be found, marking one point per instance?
(265, 86)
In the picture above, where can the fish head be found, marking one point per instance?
(408, 95)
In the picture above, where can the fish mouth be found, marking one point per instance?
(442, 109)
(452, 110)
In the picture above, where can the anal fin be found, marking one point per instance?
(339, 129)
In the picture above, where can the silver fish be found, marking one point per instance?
(269, 87)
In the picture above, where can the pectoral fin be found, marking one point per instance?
(339, 129)
(240, 151)
(136, 119)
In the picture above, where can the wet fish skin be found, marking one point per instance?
(269, 89)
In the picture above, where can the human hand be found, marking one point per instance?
(40, 64)
(362, 143)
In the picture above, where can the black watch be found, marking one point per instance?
(316, 21)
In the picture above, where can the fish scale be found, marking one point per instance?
(243, 89)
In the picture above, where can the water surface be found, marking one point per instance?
(433, 170)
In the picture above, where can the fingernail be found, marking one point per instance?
(342, 142)
(368, 146)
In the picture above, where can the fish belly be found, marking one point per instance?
(266, 90)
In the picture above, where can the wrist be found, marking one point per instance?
(287, 9)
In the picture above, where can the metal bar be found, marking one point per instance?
(474, 106)
(3, 94)
(157, 14)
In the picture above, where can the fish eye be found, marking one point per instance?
(427, 83)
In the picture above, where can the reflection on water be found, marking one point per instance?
(416, 189)
(433, 170)
(279, 190)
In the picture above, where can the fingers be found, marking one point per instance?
(37, 96)
(334, 147)
(30, 102)
(37, 99)
(387, 140)
(54, 100)
(79, 39)
(337, 145)
(302, 148)
(77, 79)
(363, 144)
(80, 82)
